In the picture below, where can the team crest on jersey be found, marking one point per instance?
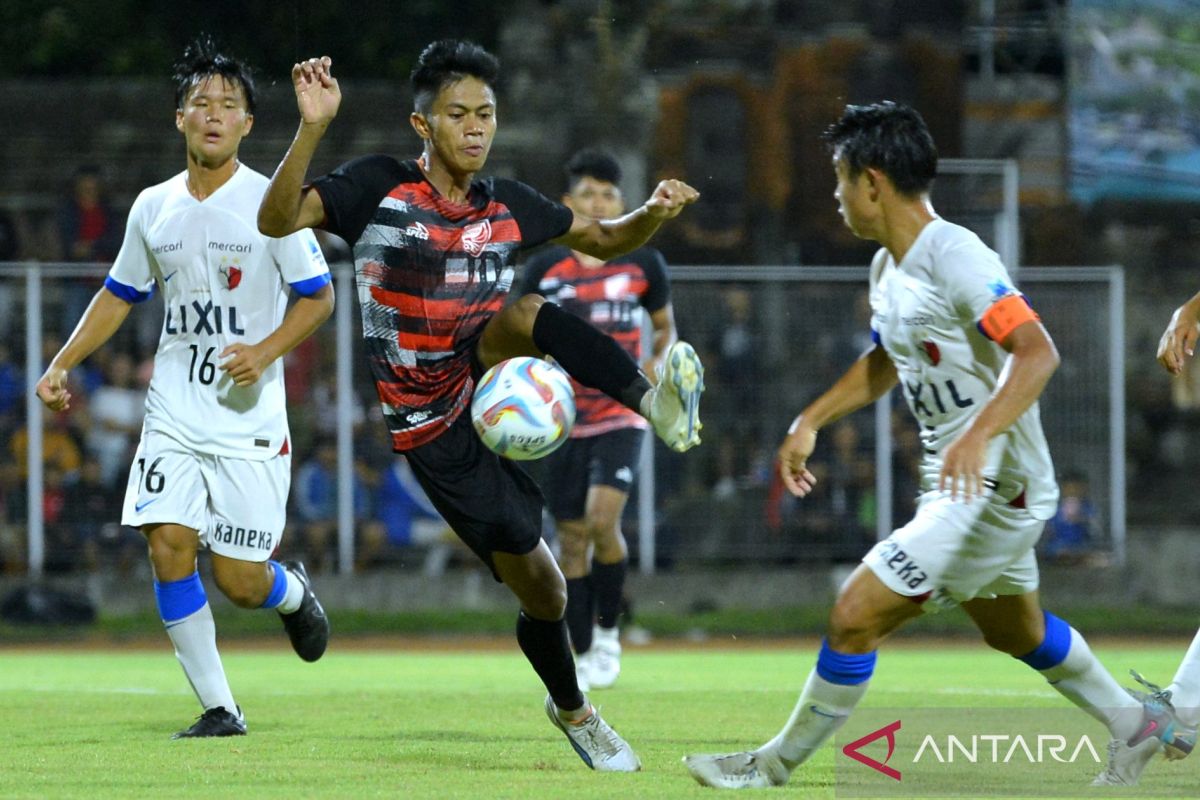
(476, 236)
(931, 350)
(232, 275)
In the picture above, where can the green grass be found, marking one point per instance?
(423, 722)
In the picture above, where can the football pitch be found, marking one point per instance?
(409, 718)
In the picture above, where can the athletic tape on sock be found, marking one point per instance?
(846, 669)
(1054, 648)
(179, 599)
(278, 586)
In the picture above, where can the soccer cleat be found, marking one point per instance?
(583, 663)
(604, 661)
(753, 770)
(675, 400)
(1178, 739)
(1126, 762)
(307, 626)
(215, 722)
(596, 742)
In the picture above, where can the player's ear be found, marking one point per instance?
(420, 125)
(566, 201)
(874, 181)
(247, 124)
(179, 120)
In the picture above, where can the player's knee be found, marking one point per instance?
(525, 311)
(550, 599)
(605, 535)
(851, 627)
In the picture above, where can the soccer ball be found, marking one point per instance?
(523, 408)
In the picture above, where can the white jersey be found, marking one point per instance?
(925, 313)
(222, 282)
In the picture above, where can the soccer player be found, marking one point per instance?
(972, 358)
(213, 466)
(587, 480)
(1182, 695)
(433, 253)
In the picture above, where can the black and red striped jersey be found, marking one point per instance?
(430, 273)
(612, 297)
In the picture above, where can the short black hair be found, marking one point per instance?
(448, 61)
(204, 59)
(887, 136)
(593, 163)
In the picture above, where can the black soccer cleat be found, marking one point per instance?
(215, 722)
(307, 626)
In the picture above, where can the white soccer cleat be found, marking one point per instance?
(752, 770)
(1125, 762)
(604, 659)
(583, 663)
(596, 742)
(675, 400)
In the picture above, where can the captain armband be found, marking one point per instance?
(1005, 316)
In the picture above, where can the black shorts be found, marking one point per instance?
(490, 502)
(609, 459)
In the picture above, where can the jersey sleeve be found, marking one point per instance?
(539, 218)
(658, 288)
(131, 276)
(533, 272)
(974, 279)
(351, 193)
(300, 262)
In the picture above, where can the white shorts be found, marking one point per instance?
(238, 506)
(953, 551)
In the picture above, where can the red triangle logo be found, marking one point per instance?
(888, 731)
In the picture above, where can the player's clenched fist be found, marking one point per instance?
(669, 198)
(317, 92)
(52, 389)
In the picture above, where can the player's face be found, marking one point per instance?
(460, 125)
(214, 120)
(855, 199)
(595, 198)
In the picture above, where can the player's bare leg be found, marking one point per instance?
(542, 634)
(183, 606)
(284, 587)
(1017, 625)
(866, 612)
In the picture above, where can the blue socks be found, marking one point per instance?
(179, 599)
(278, 587)
(1054, 648)
(844, 669)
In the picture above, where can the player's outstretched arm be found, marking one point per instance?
(101, 320)
(288, 206)
(1178, 341)
(1033, 359)
(868, 379)
(613, 237)
(247, 362)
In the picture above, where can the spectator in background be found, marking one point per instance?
(315, 496)
(87, 227)
(88, 231)
(9, 251)
(1071, 535)
(405, 518)
(12, 390)
(117, 408)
